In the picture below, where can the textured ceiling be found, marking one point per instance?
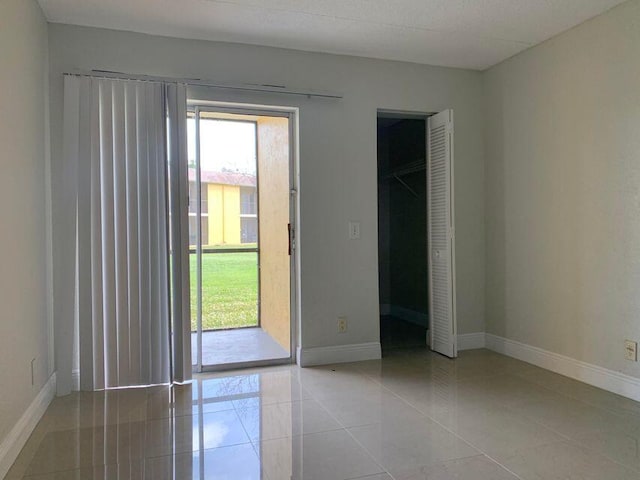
(457, 33)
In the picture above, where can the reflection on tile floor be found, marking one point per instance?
(412, 416)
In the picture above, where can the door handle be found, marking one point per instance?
(289, 237)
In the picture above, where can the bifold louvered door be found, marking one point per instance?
(441, 253)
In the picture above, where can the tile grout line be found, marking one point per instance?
(481, 452)
(447, 429)
(384, 470)
(342, 428)
(579, 399)
(359, 372)
(567, 439)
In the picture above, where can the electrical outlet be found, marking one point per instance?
(631, 350)
(342, 324)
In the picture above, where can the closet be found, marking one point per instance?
(416, 232)
(402, 232)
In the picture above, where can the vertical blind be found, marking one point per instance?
(117, 138)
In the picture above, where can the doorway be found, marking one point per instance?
(402, 231)
(241, 227)
(416, 232)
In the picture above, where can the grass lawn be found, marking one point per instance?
(229, 290)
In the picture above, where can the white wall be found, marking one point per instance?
(563, 192)
(23, 261)
(338, 155)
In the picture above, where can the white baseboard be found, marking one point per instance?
(471, 341)
(19, 434)
(308, 357)
(600, 377)
(595, 375)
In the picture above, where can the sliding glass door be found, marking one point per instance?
(239, 171)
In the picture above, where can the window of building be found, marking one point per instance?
(248, 201)
(249, 229)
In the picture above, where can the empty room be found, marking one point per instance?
(319, 240)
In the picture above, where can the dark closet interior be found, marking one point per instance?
(402, 232)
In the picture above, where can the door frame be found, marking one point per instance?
(292, 114)
(418, 115)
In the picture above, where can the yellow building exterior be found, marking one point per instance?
(228, 207)
(223, 208)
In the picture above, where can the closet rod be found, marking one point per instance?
(198, 82)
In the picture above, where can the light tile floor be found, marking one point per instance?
(412, 416)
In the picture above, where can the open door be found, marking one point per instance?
(274, 224)
(441, 234)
